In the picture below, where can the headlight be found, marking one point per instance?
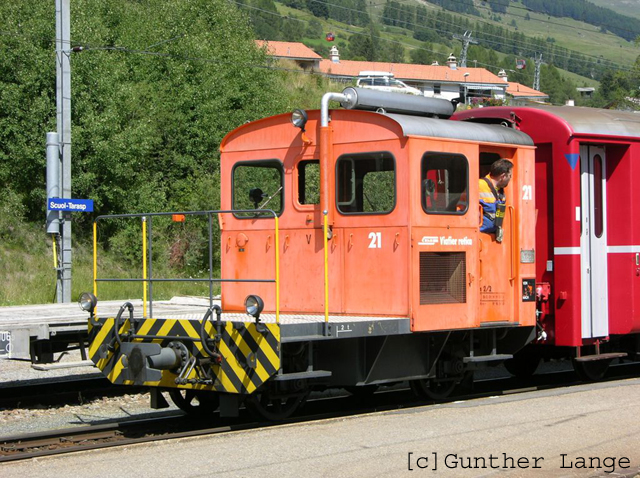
(299, 118)
(88, 301)
(254, 305)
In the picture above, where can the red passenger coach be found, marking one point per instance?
(588, 245)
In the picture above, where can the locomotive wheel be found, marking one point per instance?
(524, 363)
(195, 402)
(264, 406)
(432, 389)
(591, 371)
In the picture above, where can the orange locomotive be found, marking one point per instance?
(367, 221)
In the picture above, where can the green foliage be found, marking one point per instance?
(365, 45)
(146, 127)
(318, 8)
(12, 211)
(421, 56)
(499, 6)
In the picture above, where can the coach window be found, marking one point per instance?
(445, 183)
(598, 220)
(258, 185)
(366, 183)
(309, 182)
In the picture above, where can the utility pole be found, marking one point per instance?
(536, 76)
(466, 39)
(63, 100)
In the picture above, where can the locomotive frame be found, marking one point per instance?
(371, 264)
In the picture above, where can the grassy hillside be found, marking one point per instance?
(442, 50)
(626, 7)
(575, 35)
(566, 32)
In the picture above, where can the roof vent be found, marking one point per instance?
(452, 62)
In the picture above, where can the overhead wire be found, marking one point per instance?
(527, 47)
(122, 49)
(147, 51)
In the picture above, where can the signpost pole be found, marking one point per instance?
(63, 83)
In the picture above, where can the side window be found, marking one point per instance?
(309, 182)
(258, 185)
(445, 183)
(366, 183)
(436, 88)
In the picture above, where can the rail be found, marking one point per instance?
(147, 278)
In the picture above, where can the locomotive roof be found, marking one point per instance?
(597, 121)
(421, 126)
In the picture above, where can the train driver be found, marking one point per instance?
(492, 198)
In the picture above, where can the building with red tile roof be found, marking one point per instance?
(521, 94)
(443, 81)
(301, 54)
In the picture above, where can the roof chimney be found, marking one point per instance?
(435, 63)
(503, 74)
(334, 56)
(451, 62)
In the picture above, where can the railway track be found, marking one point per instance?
(147, 429)
(61, 392)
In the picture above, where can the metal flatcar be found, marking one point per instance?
(588, 252)
(351, 256)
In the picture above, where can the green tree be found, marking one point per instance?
(146, 127)
(421, 56)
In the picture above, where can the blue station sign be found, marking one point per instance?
(74, 205)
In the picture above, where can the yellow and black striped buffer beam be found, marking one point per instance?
(250, 353)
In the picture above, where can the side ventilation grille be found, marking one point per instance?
(442, 278)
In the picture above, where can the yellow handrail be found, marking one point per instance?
(95, 263)
(277, 243)
(513, 240)
(55, 251)
(145, 283)
(325, 228)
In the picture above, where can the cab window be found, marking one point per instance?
(445, 183)
(258, 185)
(366, 183)
(309, 182)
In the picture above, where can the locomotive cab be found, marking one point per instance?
(403, 212)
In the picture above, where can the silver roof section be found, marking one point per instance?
(597, 121)
(438, 128)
